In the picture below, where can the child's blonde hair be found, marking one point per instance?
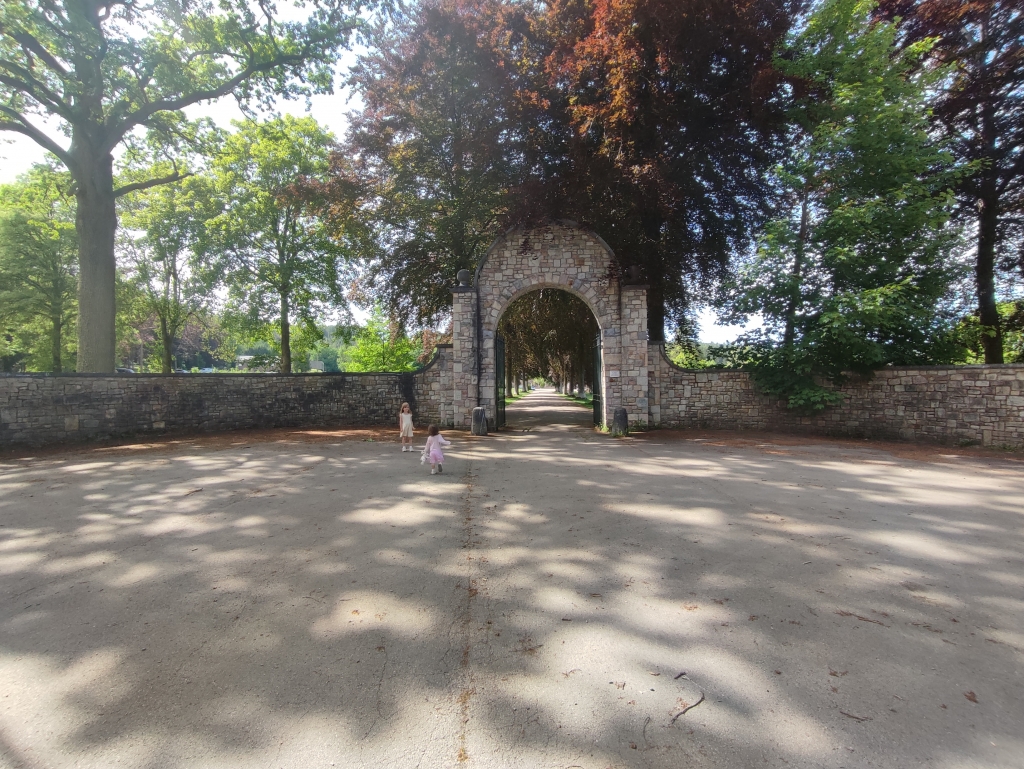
(404, 407)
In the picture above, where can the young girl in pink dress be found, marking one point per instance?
(432, 451)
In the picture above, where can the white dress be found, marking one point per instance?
(406, 426)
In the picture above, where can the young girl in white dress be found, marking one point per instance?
(405, 426)
(432, 451)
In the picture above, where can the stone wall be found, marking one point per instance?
(38, 409)
(940, 404)
(432, 390)
(564, 257)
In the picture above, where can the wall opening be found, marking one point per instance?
(547, 333)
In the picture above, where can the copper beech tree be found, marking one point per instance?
(673, 106)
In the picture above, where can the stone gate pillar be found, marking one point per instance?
(634, 353)
(464, 356)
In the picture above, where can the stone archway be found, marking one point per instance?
(560, 256)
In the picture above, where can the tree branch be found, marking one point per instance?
(163, 105)
(29, 43)
(16, 77)
(136, 186)
(19, 124)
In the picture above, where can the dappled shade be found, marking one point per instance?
(329, 601)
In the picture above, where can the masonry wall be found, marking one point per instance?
(39, 409)
(432, 390)
(567, 258)
(940, 404)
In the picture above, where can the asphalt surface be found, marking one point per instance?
(556, 598)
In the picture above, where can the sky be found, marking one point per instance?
(18, 155)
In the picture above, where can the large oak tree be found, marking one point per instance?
(110, 71)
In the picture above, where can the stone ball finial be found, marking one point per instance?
(464, 277)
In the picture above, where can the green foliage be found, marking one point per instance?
(855, 276)
(164, 246)
(38, 271)
(112, 73)
(381, 345)
(686, 353)
(968, 333)
(280, 260)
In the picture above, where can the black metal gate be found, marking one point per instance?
(499, 382)
(598, 410)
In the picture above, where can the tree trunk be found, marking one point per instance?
(166, 342)
(286, 337)
(796, 275)
(988, 312)
(56, 342)
(96, 224)
(988, 224)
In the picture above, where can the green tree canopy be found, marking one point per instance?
(852, 277)
(280, 260)
(39, 267)
(167, 255)
(980, 110)
(382, 345)
(112, 72)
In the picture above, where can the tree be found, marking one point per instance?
(165, 258)
(981, 110)
(279, 260)
(853, 276)
(381, 345)
(38, 261)
(673, 110)
(109, 71)
(436, 153)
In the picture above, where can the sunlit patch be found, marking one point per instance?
(360, 611)
(140, 572)
(173, 523)
(86, 467)
(71, 564)
(690, 516)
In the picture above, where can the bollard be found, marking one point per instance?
(620, 423)
(479, 421)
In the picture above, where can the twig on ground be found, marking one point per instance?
(855, 718)
(687, 709)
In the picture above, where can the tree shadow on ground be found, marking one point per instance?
(293, 604)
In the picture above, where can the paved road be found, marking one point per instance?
(556, 598)
(546, 410)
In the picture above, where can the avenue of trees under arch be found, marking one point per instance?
(549, 334)
(847, 174)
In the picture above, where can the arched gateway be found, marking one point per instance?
(559, 256)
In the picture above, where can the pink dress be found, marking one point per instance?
(433, 449)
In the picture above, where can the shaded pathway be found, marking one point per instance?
(544, 408)
(301, 605)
